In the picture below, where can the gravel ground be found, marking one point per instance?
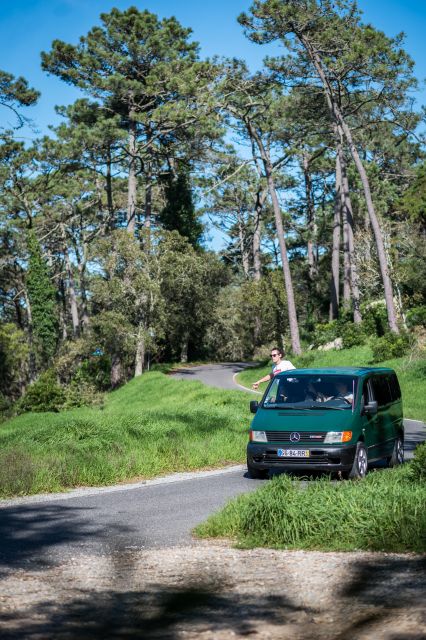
(213, 591)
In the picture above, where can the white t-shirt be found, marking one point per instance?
(284, 365)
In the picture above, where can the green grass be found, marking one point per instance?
(153, 425)
(411, 373)
(384, 512)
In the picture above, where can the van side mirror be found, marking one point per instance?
(254, 405)
(371, 408)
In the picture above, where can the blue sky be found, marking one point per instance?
(28, 27)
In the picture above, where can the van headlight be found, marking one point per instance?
(336, 437)
(258, 436)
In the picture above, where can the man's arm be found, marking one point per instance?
(264, 379)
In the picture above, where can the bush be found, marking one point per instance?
(43, 395)
(418, 464)
(326, 332)
(79, 394)
(416, 317)
(375, 318)
(353, 334)
(390, 346)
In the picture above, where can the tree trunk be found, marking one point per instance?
(81, 266)
(108, 188)
(349, 220)
(140, 352)
(184, 347)
(132, 180)
(344, 129)
(241, 238)
(292, 315)
(116, 370)
(310, 219)
(257, 268)
(71, 292)
(335, 252)
(63, 309)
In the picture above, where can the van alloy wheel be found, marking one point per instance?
(360, 464)
(397, 456)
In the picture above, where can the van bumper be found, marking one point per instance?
(334, 458)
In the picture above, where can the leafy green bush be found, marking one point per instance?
(80, 394)
(416, 317)
(418, 464)
(353, 334)
(389, 346)
(326, 332)
(45, 394)
(375, 318)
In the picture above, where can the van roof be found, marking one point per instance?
(349, 371)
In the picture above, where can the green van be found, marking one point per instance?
(336, 420)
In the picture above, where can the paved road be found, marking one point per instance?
(216, 375)
(160, 513)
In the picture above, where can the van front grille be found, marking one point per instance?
(305, 436)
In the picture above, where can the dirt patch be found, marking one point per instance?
(213, 591)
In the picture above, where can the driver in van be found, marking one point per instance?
(342, 391)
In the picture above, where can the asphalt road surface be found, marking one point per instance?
(44, 530)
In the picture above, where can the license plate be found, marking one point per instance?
(293, 453)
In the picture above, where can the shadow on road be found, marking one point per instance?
(375, 593)
(33, 534)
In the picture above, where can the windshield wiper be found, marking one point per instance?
(314, 407)
(320, 408)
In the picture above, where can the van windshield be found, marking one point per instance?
(311, 392)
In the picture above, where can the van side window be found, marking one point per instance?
(381, 390)
(394, 387)
(365, 393)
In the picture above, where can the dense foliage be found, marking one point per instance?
(313, 168)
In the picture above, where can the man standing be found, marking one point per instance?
(278, 365)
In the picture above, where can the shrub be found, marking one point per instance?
(389, 346)
(416, 317)
(375, 318)
(79, 394)
(43, 395)
(326, 332)
(353, 334)
(418, 464)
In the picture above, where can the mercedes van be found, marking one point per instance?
(334, 420)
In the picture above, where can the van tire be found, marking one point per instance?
(257, 474)
(397, 456)
(360, 464)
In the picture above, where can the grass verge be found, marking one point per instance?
(153, 425)
(411, 373)
(383, 512)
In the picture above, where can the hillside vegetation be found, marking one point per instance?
(151, 426)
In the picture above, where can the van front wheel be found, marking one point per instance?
(360, 464)
(256, 474)
(397, 456)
